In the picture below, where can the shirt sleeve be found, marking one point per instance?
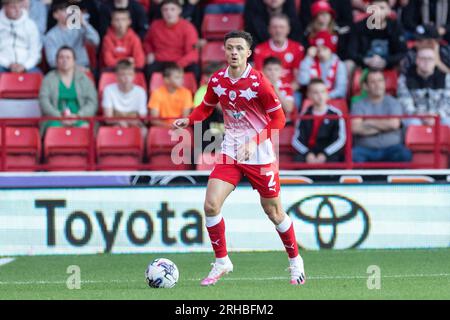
(267, 96)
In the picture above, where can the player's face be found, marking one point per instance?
(318, 94)
(237, 52)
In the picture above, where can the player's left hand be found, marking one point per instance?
(246, 151)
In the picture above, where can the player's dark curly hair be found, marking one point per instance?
(239, 34)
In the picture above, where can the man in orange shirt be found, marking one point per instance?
(172, 100)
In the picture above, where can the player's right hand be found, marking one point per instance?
(181, 123)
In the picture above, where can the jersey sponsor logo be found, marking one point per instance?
(248, 94)
(238, 115)
(232, 95)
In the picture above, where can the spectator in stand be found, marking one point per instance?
(121, 42)
(333, 16)
(172, 100)
(171, 39)
(224, 6)
(214, 123)
(67, 92)
(319, 140)
(257, 15)
(192, 11)
(289, 52)
(20, 44)
(273, 70)
(139, 21)
(421, 12)
(38, 12)
(428, 36)
(322, 62)
(378, 139)
(378, 47)
(64, 35)
(124, 98)
(425, 90)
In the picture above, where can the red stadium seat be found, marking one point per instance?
(391, 77)
(215, 26)
(92, 55)
(213, 52)
(160, 147)
(206, 161)
(157, 81)
(23, 148)
(108, 78)
(422, 138)
(119, 148)
(146, 4)
(67, 148)
(20, 85)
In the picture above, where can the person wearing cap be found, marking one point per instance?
(257, 14)
(378, 42)
(427, 36)
(327, 15)
(322, 62)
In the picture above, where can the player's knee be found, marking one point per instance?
(211, 208)
(273, 212)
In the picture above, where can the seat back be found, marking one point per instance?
(20, 85)
(66, 141)
(215, 26)
(115, 140)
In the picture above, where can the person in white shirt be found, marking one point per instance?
(124, 98)
(20, 44)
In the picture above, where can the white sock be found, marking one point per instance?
(224, 260)
(285, 225)
(295, 261)
(212, 221)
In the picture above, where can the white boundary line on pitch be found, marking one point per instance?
(436, 275)
(4, 261)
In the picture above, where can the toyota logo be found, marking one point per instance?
(329, 222)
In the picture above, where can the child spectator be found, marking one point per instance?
(124, 98)
(171, 39)
(62, 35)
(273, 70)
(172, 100)
(319, 140)
(322, 62)
(67, 92)
(20, 44)
(121, 42)
(290, 52)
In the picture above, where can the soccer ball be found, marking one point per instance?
(161, 273)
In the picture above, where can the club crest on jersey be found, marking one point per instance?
(289, 57)
(238, 115)
(232, 95)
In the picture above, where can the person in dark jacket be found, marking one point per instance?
(257, 14)
(319, 140)
(377, 41)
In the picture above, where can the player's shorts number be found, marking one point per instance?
(272, 182)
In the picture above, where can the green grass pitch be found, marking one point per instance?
(405, 274)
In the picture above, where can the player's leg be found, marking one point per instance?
(222, 182)
(285, 228)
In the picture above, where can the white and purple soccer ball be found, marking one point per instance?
(162, 273)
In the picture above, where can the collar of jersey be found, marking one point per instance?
(244, 75)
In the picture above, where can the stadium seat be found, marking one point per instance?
(160, 147)
(391, 77)
(215, 26)
(119, 148)
(23, 148)
(422, 138)
(67, 148)
(206, 161)
(157, 81)
(213, 51)
(20, 85)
